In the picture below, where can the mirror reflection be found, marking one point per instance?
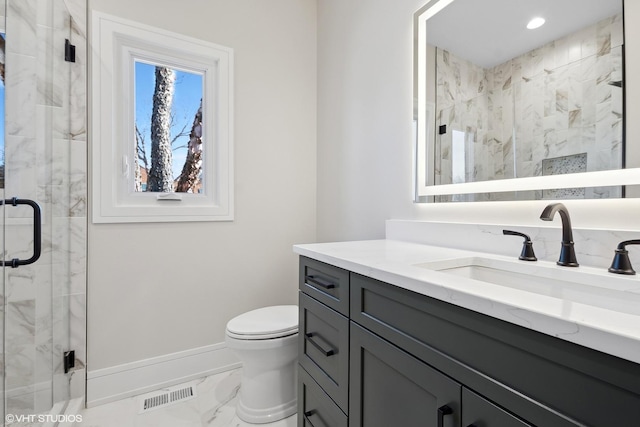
(511, 102)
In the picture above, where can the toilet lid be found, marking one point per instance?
(265, 323)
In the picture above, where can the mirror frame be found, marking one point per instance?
(423, 123)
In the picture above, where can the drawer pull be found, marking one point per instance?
(307, 415)
(309, 336)
(442, 411)
(322, 283)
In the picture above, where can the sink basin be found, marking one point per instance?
(582, 285)
(503, 277)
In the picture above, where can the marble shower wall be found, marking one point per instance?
(45, 155)
(553, 102)
(462, 104)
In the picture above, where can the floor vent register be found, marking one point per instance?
(165, 397)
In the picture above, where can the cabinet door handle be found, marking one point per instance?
(322, 284)
(442, 411)
(309, 336)
(307, 415)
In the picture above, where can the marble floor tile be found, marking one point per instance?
(214, 406)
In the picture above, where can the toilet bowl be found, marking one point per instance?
(266, 342)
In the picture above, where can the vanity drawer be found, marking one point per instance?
(326, 283)
(315, 408)
(324, 348)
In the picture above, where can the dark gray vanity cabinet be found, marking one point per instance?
(417, 361)
(507, 372)
(323, 351)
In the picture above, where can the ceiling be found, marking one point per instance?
(490, 32)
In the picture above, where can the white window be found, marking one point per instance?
(162, 143)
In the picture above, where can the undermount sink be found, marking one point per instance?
(581, 285)
(499, 277)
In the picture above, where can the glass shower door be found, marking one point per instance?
(2, 220)
(37, 297)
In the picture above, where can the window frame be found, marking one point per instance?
(116, 45)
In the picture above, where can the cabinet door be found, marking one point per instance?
(389, 387)
(479, 412)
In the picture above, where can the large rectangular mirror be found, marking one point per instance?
(503, 112)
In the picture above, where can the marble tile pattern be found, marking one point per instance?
(214, 406)
(45, 157)
(553, 101)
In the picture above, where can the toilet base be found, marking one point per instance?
(268, 396)
(263, 416)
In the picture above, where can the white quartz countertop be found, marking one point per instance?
(612, 328)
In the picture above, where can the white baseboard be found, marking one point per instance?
(122, 381)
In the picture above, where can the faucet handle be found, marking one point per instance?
(527, 253)
(621, 263)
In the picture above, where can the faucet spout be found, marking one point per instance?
(567, 251)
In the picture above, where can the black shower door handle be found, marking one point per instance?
(37, 232)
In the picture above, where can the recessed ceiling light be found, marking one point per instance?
(535, 23)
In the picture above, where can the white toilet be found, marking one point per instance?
(266, 342)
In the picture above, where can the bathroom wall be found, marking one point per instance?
(161, 289)
(364, 129)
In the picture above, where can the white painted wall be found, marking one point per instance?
(155, 289)
(364, 129)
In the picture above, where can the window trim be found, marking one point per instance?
(116, 45)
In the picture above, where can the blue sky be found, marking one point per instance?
(186, 100)
(2, 116)
(2, 122)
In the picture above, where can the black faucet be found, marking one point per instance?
(621, 263)
(567, 252)
(527, 253)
